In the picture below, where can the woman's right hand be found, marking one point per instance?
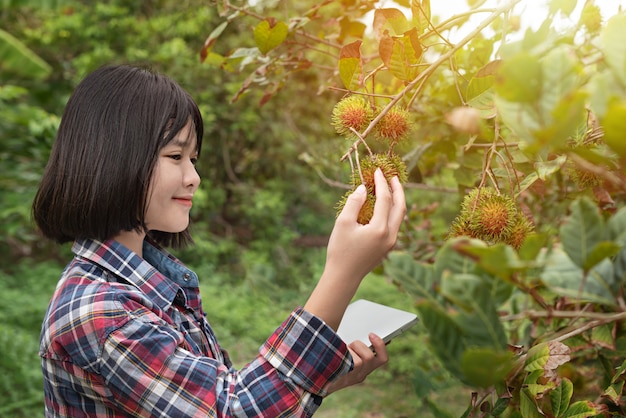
(355, 249)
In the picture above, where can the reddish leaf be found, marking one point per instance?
(401, 54)
(394, 17)
(350, 68)
(210, 41)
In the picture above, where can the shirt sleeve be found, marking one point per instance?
(150, 373)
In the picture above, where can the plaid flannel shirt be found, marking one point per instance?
(124, 336)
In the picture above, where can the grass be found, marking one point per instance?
(243, 317)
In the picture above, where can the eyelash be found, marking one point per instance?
(177, 157)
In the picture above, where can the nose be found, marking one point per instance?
(191, 177)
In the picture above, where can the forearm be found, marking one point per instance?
(331, 296)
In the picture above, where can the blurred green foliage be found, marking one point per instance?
(260, 217)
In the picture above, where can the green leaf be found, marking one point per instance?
(446, 336)
(528, 405)
(600, 252)
(269, 34)
(413, 277)
(616, 227)
(421, 14)
(565, 278)
(522, 118)
(614, 124)
(582, 231)
(619, 371)
(546, 168)
(614, 392)
(603, 336)
(519, 79)
(350, 67)
(480, 89)
(500, 406)
(499, 259)
(477, 299)
(580, 409)
(18, 59)
(614, 47)
(560, 397)
(450, 261)
(485, 367)
(532, 246)
(537, 357)
(560, 77)
(602, 87)
(569, 114)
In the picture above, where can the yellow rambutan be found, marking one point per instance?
(390, 164)
(520, 230)
(394, 126)
(352, 112)
(491, 217)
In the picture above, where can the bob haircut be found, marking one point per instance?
(96, 182)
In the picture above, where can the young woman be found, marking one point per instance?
(125, 333)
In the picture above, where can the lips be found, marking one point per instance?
(185, 201)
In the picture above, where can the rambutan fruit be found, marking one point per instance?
(351, 112)
(394, 126)
(491, 217)
(520, 230)
(460, 228)
(367, 210)
(390, 164)
(584, 179)
(494, 218)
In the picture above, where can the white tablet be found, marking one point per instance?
(363, 317)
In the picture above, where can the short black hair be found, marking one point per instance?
(96, 182)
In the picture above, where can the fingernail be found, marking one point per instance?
(361, 189)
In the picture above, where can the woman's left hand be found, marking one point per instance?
(366, 360)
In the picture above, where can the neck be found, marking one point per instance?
(133, 240)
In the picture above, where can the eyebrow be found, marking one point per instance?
(181, 142)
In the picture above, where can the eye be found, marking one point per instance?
(175, 157)
(194, 160)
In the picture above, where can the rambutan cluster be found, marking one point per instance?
(491, 217)
(355, 113)
(390, 164)
(351, 116)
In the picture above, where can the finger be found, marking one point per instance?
(362, 350)
(380, 348)
(398, 209)
(383, 197)
(357, 361)
(353, 204)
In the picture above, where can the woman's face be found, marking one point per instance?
(173, 184)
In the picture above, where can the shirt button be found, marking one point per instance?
(186, 277)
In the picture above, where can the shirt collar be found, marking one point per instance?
(159, 275)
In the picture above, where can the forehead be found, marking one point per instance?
(185, 138)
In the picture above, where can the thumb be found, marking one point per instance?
(354, 203)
